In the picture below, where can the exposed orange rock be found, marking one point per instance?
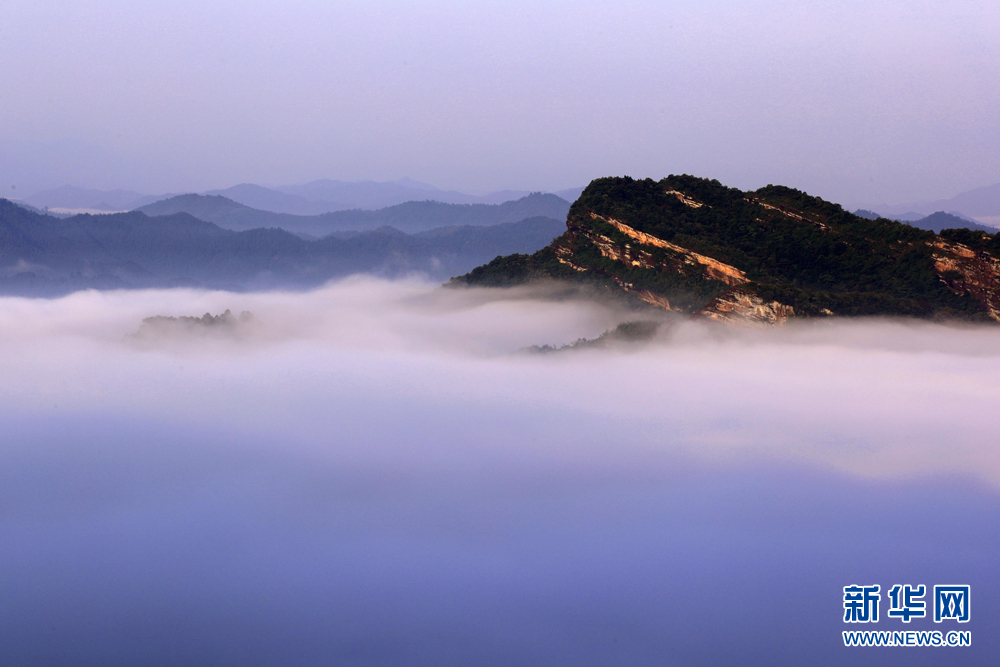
(966, 271)
(741, 306)
(654, 299)
(955, 249)
(635, 255)
(562, 254)
(686, 200)
(713, 267)
(787, 213)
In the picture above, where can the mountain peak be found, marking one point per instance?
(696, 246)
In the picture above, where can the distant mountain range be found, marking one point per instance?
(274, 201)
(935, 222)
(694, 246)
(410, 217)
(983, 204)
(42, 255)
(980, 205)
(374, 195)
(313, 198)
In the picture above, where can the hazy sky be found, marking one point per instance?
(854, 101)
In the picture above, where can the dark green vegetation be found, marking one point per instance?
(636, 331)
(47, 256)
(794, 249)
(162, 325)
(410, 217)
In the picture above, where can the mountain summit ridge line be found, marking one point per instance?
(695, 246)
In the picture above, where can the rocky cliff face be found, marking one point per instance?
(967, 271)
(742, 307)
(638, 250)
(694, 246)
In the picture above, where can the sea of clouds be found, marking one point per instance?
(377, 473)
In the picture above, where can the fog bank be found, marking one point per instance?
(372, 473)
(871, 397)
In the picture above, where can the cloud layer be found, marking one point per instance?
(372, 473)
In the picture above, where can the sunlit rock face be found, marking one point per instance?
(972, 272)
(741, 307)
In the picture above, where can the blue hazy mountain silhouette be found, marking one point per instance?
(43, 255)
